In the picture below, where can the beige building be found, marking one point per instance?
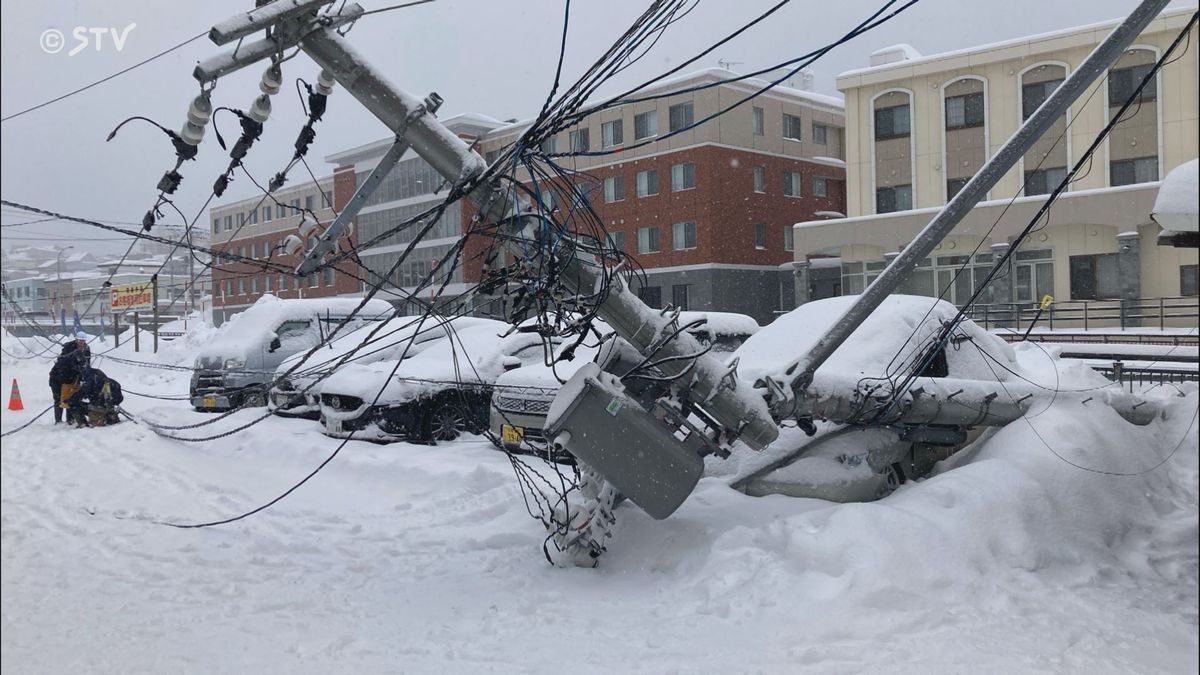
(918, 127)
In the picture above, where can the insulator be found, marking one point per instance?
(192, 133)
(325, 83)
(293, 244)
(272, 80)
(307, 227)
(260, 110)
(200, 111)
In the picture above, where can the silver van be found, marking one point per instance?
(237, 367)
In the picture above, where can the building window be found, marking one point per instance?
(651, 295)
(820, 186)
(683, 176)
(1122, 82)
(680, 116)
(285, 282)
(1187, 280)
(266, 214)
(254, 249)
(892, 122)
(241, 286)
(614, 189)
(1095, 277)
(683, 236)
(891, 199)
(228, 287)
(253, 285)
(964, 111)
(645, 125)
(953, 186)
(549, 145)
(616, 241)
(760, 236)
(580, 140)
(789, 238)
(820, 132)
(679, 296)
(647, 239)
(760, 179)
(228, 223)
(791, 126)
(1034, 275)
(612, 133)
(314, 280)
(242, 252)
(328, 194)
(268, 281)
(1034, 95)
(1131, 171)
(1044, 181)
(296, 205)
(329, 278)
(791, 183)
(280, 211)
(310, 202)
(647, 183)
(254, 216)
(216, 225)
(756, 115)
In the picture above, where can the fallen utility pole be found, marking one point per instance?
(1096, 64)
(740, 410)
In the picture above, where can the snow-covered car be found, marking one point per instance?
(436, 395)
(298, 393)
(233, 369)
(893, 343)
(523, 397)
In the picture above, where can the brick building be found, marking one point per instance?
(707, 213)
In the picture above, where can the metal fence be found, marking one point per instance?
(1146, 376)
(1090, 314)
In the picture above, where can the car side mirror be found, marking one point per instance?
(511, 363)
(275, 344)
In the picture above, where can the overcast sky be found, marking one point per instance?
(496, 57)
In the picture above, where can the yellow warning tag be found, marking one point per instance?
(1047, 300)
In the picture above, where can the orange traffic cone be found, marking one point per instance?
(14, 400)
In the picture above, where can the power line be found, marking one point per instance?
(105, 79)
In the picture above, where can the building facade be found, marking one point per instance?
(254, 230)
(707, 213)
(920, 126)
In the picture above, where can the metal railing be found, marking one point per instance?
(1175, 312)
(1146, 376)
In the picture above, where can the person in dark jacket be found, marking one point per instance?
(95, 404)
(67, 369)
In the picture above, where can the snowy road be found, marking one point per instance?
(406, 558)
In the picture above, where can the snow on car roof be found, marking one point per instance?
(901, 326)
(254, 325)
(721, 323)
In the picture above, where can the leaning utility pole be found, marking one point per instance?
(740, 410)
(1095, 65)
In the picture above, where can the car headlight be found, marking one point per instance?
(234, 364)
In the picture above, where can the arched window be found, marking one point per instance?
(893, 150)
(1133, 143)
(964, 121)
(1044, 165)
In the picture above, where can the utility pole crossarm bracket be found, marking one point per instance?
(327, 240)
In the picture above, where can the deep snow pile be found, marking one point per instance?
(409, 558)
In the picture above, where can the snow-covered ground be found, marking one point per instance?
(407, 558)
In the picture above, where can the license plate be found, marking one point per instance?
(210, 401)
(333, 426)
(510, 435)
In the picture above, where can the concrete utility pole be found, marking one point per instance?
(736, 407)
(1095, 65)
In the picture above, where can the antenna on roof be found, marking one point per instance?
(728, 65)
